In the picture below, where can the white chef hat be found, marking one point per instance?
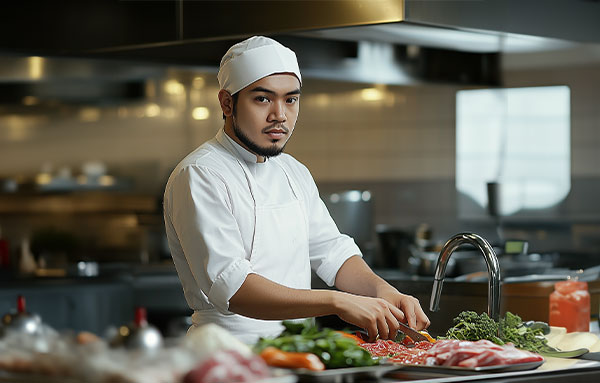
(253, 59)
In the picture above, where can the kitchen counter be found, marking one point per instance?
(558, 372)
(553, 370)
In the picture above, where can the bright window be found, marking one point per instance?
(517, 137)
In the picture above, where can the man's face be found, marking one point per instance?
(266, 112)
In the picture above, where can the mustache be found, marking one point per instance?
(276, 126)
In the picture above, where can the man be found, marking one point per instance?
(245, 223)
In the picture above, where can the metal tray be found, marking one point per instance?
(453, 370)
(347, 374)
(18, 377)
(283, 376)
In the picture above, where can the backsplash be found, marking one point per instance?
(396, 141)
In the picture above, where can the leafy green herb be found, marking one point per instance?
(469, 325)
(330, 346)
(528, 338)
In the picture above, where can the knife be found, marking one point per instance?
(412, 333)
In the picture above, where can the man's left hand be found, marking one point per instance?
(409, 305)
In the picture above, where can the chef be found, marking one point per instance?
(245, 223)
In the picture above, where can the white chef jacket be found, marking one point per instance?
(210, 219)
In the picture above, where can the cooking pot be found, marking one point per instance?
(396, 248)
(426, 262)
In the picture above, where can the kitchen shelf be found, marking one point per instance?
(78, 203)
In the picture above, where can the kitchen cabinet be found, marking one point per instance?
(64, 305)
(97, 303)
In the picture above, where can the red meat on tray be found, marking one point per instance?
(463, 353)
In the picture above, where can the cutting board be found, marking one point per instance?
(559, 338)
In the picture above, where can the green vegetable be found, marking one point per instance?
(528, 338)
(468, 325)
(331, 347)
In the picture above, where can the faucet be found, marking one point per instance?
(493, 268)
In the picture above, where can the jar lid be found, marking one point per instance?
(569, 286)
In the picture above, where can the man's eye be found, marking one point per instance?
(262, 99)
(292, 100)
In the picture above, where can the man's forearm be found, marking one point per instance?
(377, 307)
(261, 298)
(356, 277)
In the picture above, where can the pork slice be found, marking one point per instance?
(486, 358)
(461, 354)
(512, 355)
(477, 354)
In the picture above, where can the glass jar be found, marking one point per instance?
(570, 306)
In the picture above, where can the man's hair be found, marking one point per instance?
(235, 99)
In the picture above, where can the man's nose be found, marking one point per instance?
(278, 112)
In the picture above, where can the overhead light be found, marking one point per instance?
(198, 82)
(36, 66)
(200, 113)
(174, 87)
(371, 94)
(152, 110)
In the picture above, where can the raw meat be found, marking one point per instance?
(470, 354)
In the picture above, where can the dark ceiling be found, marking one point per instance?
(197, 33)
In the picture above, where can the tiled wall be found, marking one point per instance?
(401, 146)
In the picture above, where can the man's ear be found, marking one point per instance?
(226, 102)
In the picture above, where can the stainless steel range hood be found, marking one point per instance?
(390, 41)
(111, 26)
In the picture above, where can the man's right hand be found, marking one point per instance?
(376, 315)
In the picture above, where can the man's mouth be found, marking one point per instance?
(276, 134)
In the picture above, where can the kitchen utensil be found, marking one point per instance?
(22, 321)
(565, 354)
(406, 330)
(591, 356)
(412, 333)
(399, 375)
(138, 335)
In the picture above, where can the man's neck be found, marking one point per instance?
(228, 129)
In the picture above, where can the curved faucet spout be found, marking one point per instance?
(493, 268)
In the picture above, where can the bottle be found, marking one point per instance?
(27, 264)
(4, 252)
(570, 306)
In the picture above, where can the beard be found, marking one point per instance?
(269, 151)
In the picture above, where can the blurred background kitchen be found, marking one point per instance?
(414, 131)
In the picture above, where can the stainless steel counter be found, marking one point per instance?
(553, 370)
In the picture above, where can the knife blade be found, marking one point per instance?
(412, 333)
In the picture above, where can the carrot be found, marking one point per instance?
(277, 358)
(426, 335)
